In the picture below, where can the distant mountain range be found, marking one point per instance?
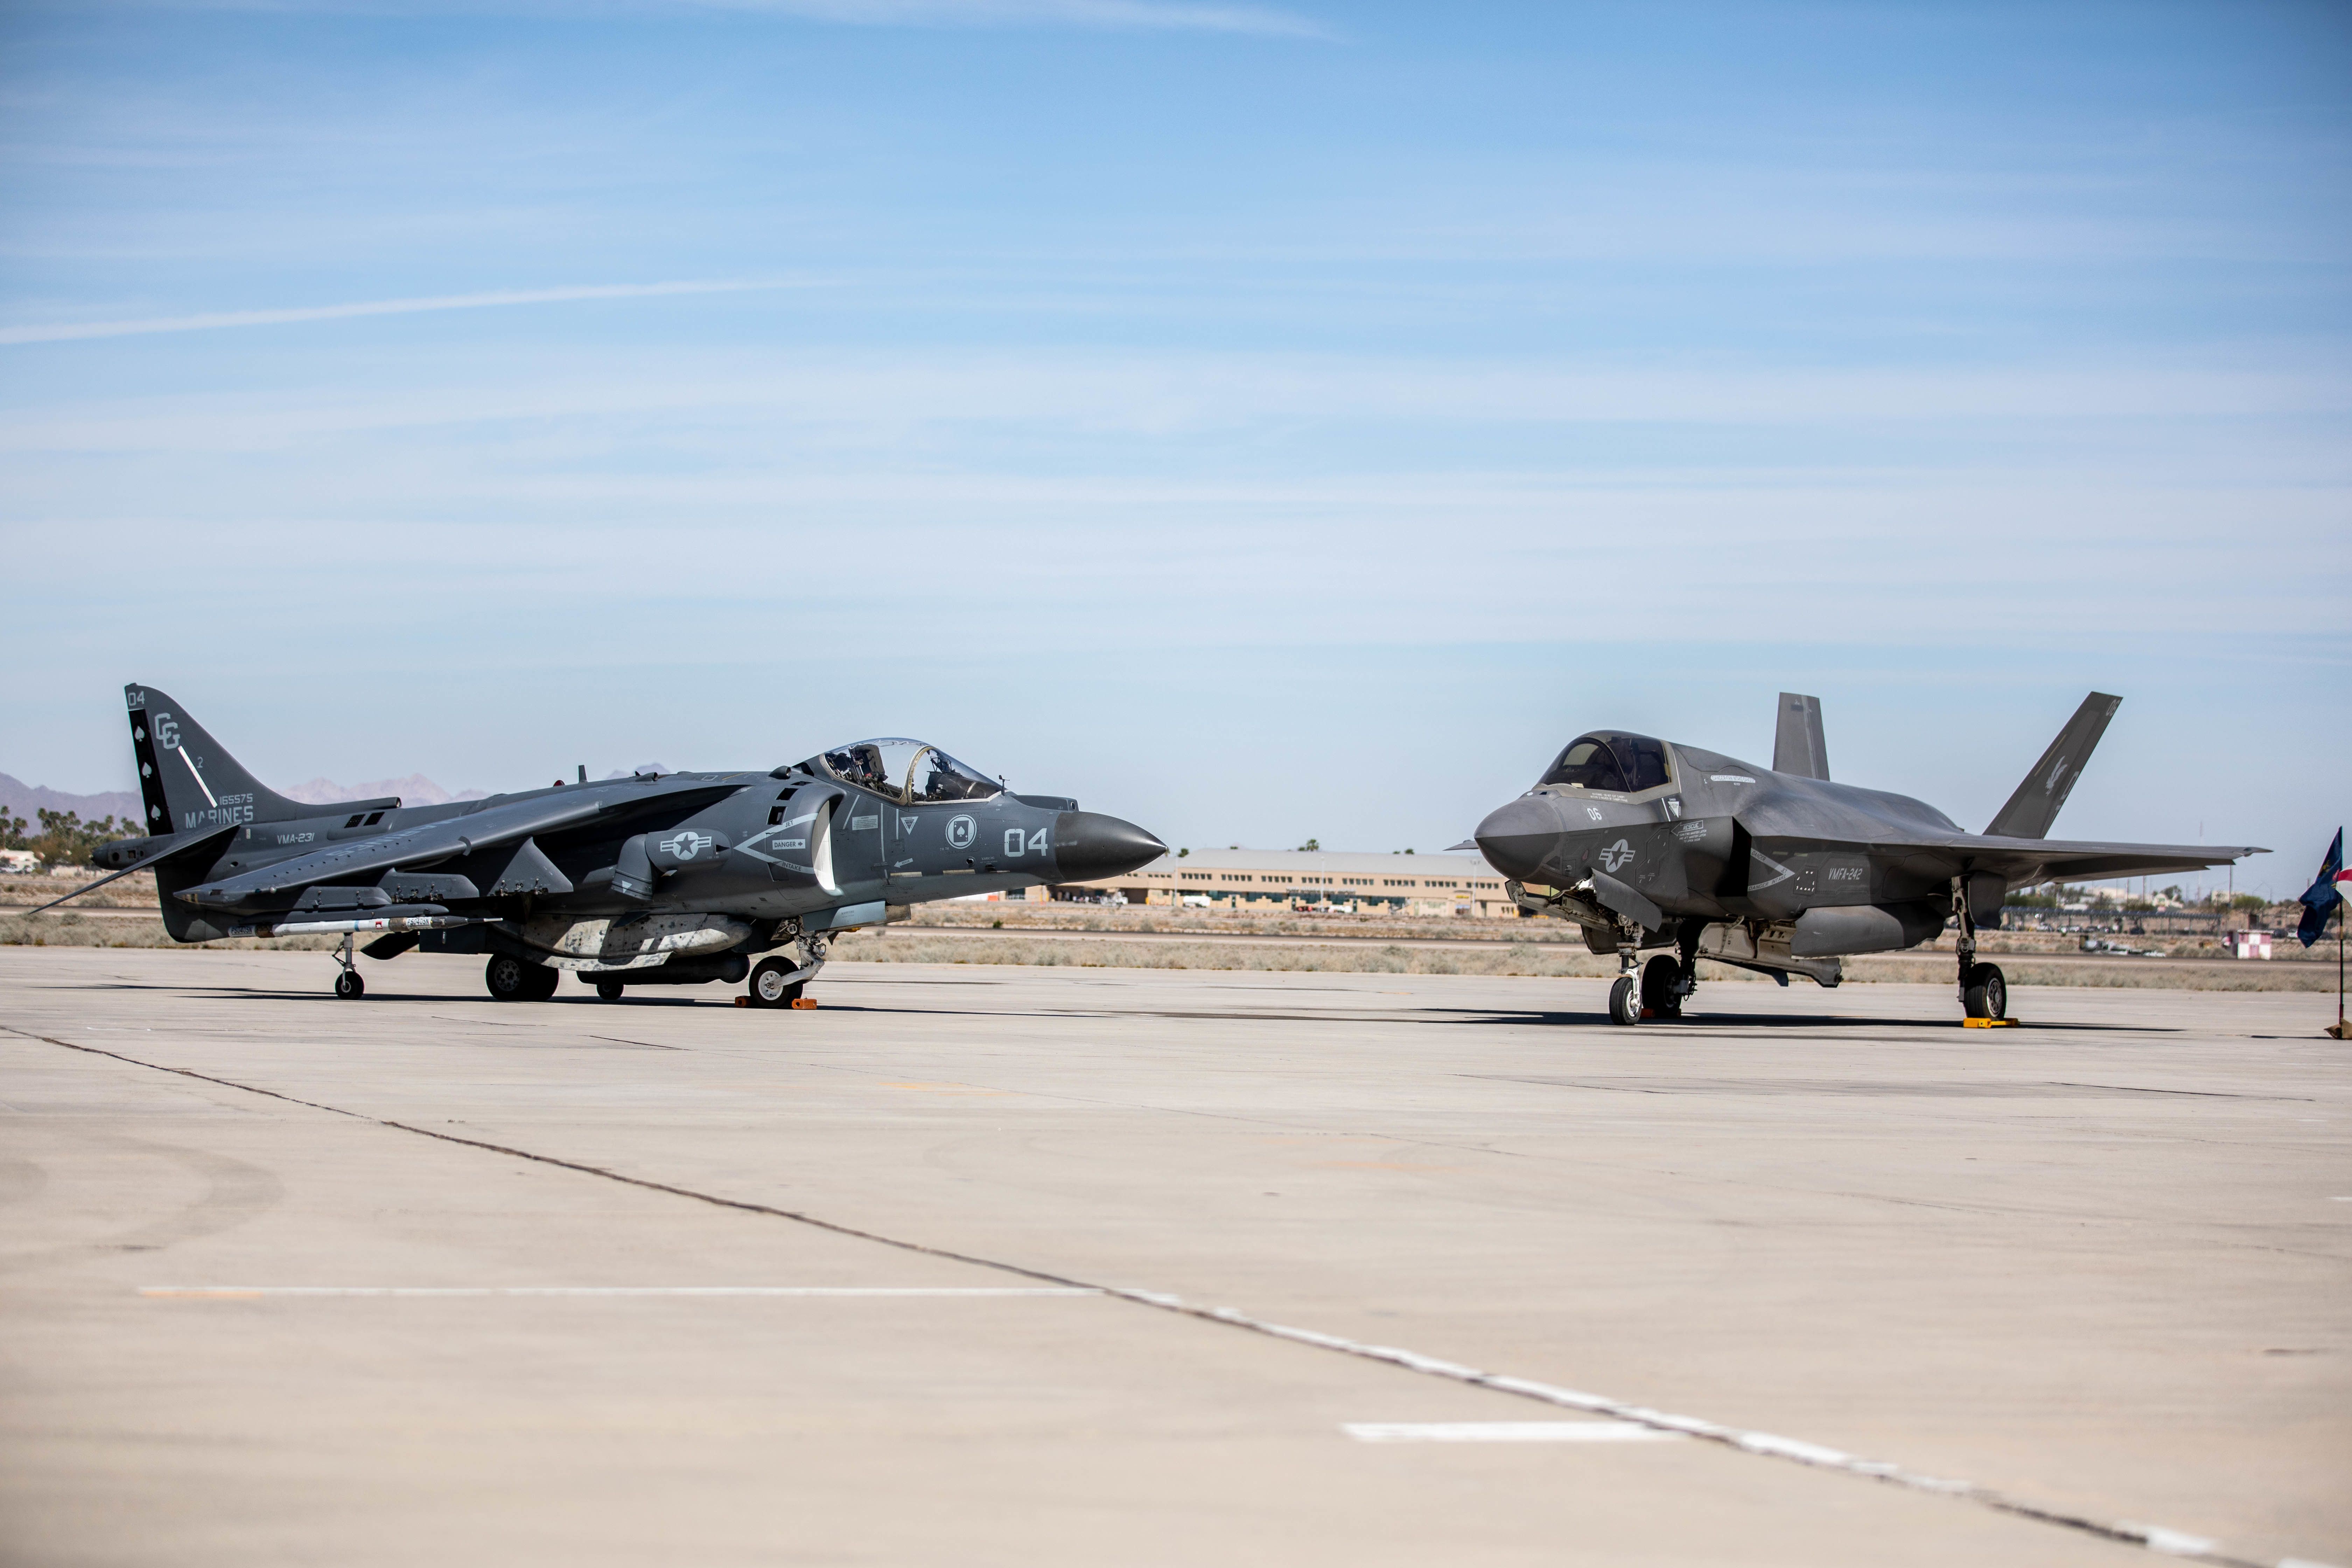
(21, 799)
(414, 790)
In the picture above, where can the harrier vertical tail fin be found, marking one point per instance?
(187, 781)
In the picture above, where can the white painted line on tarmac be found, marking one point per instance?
(240, 1293)
(2177, 1544)
(1505, 1432)
(2155, 1537)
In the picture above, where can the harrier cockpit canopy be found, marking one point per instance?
(909, 771)
(1609, 760)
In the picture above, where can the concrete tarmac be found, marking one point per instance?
(919, 1276)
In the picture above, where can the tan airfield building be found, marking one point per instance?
(1264, 880)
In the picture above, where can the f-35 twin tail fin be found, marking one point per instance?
(1797, 746)
(2034, 807)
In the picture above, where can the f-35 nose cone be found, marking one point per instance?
(1089, 846)
(1515, 838)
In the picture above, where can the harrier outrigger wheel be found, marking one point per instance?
(772, 984)
(347, 985)
(608, 990)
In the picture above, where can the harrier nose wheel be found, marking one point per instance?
(772, 984)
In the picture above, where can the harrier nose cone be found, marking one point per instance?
(1089, 846)
(1515, 838)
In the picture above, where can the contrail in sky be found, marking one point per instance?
(64, 331)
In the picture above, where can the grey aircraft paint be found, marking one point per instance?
(1652, 844)
(679, 878)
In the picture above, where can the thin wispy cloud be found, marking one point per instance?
(1112, 14)
(1145, 15)
(66, 331)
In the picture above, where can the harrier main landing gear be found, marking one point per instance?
(347, 985)
(511, 979)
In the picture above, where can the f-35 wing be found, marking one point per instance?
(2023, 862)
(484, 829)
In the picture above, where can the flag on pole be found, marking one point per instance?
(2320, 901)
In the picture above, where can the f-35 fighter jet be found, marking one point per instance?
(649, 880)
(1650, 844)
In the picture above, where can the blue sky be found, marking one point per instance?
(1260, 421)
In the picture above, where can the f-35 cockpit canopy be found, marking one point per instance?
(1609, 760)
(909, 771)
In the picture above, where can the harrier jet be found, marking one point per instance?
(656, 879)
(1649, 844)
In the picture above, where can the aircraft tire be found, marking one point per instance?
(609, 990)
(349, 985)
(507, 977)
(1625, 1001)
(543, 981)
(1659, 978)
(1985, 994)
(769, 987)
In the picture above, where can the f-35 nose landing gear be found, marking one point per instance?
(1625, 999)
(1657, 989)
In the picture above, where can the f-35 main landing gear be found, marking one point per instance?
(1984, 993)
(1667, 982)
(347, 985)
